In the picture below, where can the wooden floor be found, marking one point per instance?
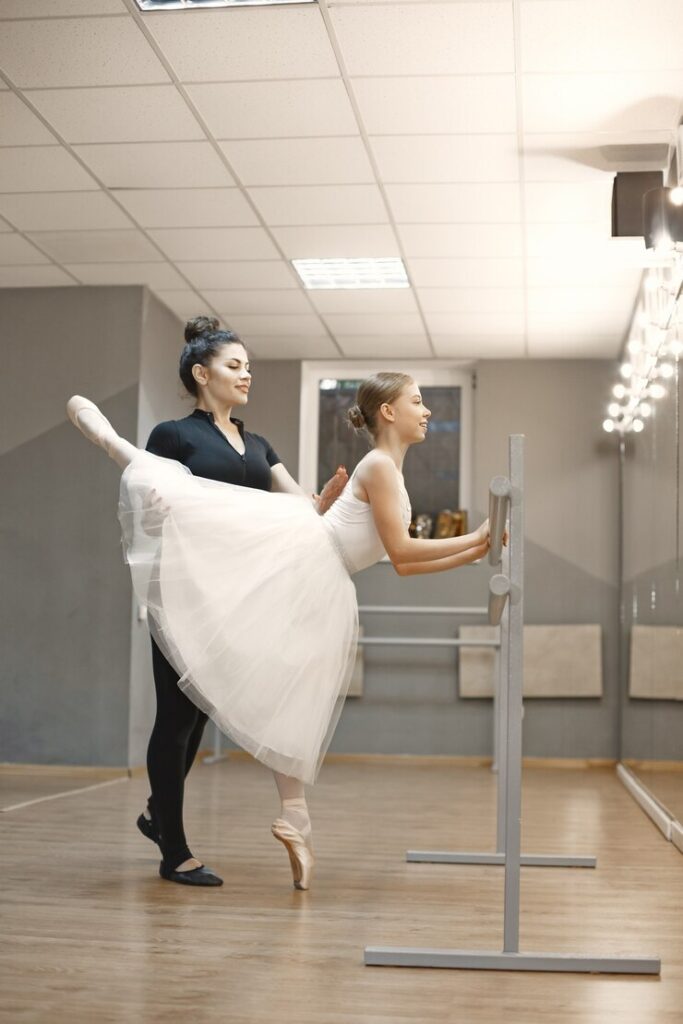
(667, 787)
(90, 933)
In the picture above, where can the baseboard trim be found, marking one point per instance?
(452, 760)
(652, 766)
(656, 811)
(70, 770)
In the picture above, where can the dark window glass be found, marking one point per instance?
(431, 470)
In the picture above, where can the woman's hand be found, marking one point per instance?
(331, 491)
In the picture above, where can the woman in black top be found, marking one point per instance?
(214, 367)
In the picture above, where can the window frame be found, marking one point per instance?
(440, 373)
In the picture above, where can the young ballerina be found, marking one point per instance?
(250, 595)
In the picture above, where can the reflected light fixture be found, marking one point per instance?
(662, 218)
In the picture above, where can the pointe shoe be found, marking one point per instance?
(300, 854)
(76, 406)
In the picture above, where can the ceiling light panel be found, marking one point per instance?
(434, 39)
(187, 207)
(189, 5)
(156, 165)
(446, 158)
(320, 204)
(465, 104)
(77, 51)
(41, 169)
(146, 113)
(262, 110)
(214, 46)
(351, 273)
(62, 211)
(323, 161)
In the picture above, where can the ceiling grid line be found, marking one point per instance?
(170, 70)
(324, 10)
(519, 99)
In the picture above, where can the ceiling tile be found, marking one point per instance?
(448, 346)
(374, 346)
(466, 273)
(45, 276)
(222, 46)
(20, 126)
(156, 165)
(41, 169)
(473, 241)
(15, 249)
(571, 300)
(568, 323)
(96, 246)
(289, 325)
(585, 157)
(544, 272)
(187, 207)
(299, 161)
(455, 203)
(256, 110)
(614, 35)
(214, 243)
(374, 323)
(363, 300)
(320, 204)
(575, 346)
(475, 325)
(294, 347)
(264, 274)
(428, 40)
(468, 104)
(637, 101)
(138, 113)
(58, 8)
(155, 275)
(77, 51)
(553, 203)
(471, 300)
(337, 241)
(281, 300)
(446, 158)
(184, 303)
(566, 240)
(62, 211)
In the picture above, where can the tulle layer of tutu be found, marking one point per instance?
(250, 601)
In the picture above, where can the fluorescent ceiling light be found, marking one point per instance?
(352, 273)
(188, 5)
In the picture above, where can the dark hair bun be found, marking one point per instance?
(199, 326)
(356, 417)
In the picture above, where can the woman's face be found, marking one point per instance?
(410, 415)
(227, 375)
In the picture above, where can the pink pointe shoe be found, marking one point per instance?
(93, 424)
(300, 854)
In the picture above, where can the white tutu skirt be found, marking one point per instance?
(250, 601)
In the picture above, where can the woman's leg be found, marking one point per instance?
(192, 748)
(94, 425)
(177, 722)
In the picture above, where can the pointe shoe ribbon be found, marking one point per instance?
(300, 854)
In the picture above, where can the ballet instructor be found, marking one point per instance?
(214, 369)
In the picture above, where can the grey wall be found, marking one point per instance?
(65, 604)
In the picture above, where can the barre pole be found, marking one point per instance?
(499, 504)
(510, 958)
(499, 592)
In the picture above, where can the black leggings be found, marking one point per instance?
(173, 745)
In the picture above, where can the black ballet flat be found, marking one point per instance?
(148, 829)
(196, 876)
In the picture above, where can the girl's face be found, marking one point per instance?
(227, 377)
(410, 415)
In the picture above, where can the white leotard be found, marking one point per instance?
(352, 527)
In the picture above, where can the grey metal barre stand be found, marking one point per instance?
(500, 588)
(510, 958)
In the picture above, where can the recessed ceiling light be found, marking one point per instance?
(188, 5)
(352, 273)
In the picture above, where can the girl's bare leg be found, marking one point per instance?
(94, 425)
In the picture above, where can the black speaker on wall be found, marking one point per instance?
(627, 200)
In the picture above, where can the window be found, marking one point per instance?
(437, 474)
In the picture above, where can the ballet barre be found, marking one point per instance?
(509, 602)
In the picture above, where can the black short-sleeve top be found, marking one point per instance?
(198, 443)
